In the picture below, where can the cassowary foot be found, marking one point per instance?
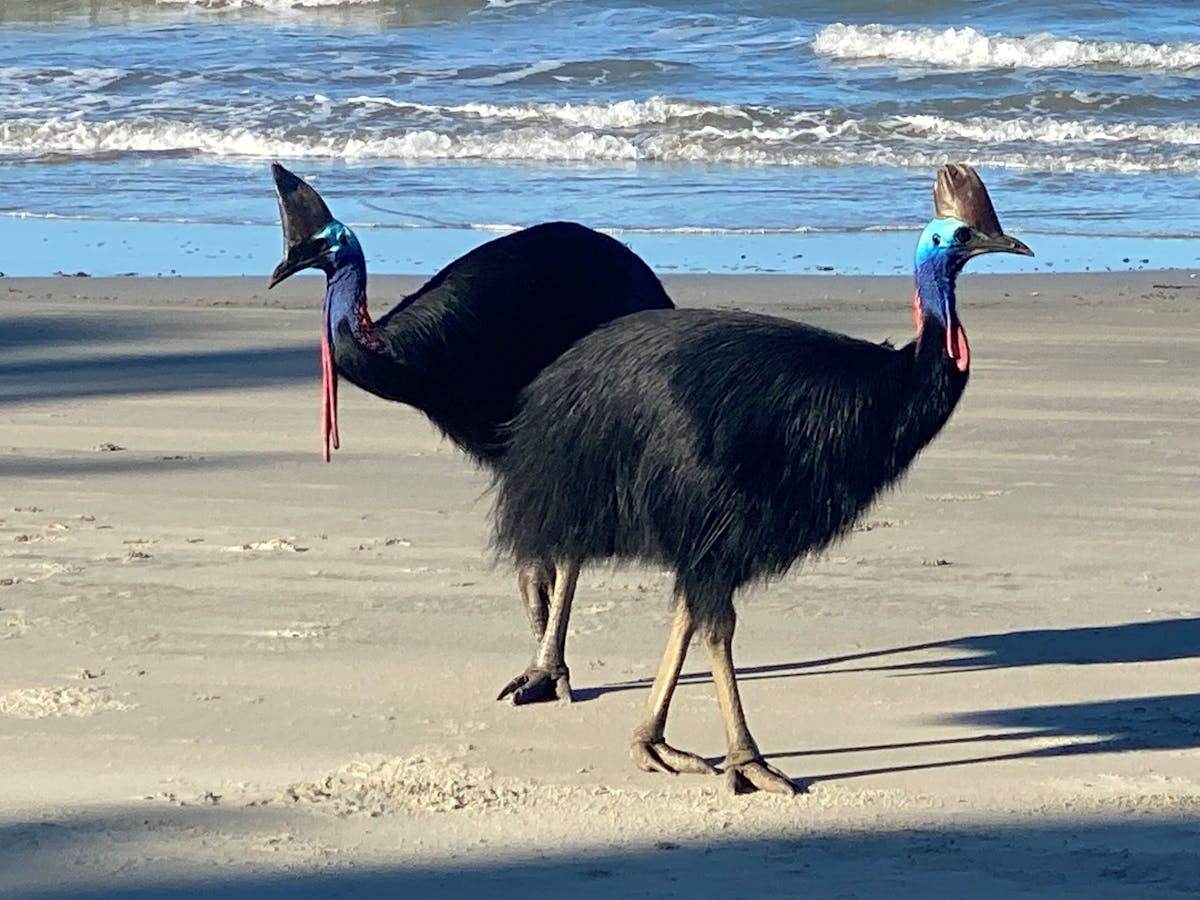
(758, 775)
(659, 756)
(538, 685)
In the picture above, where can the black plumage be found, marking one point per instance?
(728, 446)
(462, 347)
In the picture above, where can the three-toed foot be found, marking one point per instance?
(539, 685)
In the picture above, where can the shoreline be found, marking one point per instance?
(105, 249)
(761, 291)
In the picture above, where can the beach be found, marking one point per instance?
(229, 669)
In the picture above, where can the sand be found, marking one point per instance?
(229, 669)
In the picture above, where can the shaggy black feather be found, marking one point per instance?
(462, 347)
(724, 445)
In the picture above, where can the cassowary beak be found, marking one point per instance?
(997, 243)
(303, 214)
(309, 255)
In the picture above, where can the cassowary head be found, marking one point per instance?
(312, 237)
(965, 222)
(964, 225)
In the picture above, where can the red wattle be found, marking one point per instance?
(329, 426)
(917, 317)
(957, 348)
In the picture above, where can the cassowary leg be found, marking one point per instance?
(745, 769)
(649, 749)
(547, 677)
(536, 581)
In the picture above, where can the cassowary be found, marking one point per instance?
(462, 347)
(727, 446)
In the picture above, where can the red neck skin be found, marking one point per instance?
(957, 347)
(345, 303)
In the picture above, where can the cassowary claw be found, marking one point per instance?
(659, 756)
(759, 775)
(537, 685)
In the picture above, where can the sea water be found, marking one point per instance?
(709, 135)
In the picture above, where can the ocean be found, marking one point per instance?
(709, 135)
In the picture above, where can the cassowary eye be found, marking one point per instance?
(936, 240)
(962, 235)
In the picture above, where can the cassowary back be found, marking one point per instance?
(724, 445)
(483, 327)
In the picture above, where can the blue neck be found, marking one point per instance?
(346, 294)
(935, 276)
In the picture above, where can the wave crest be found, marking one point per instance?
(810, 139)
(966, 48)
(1045, 130)
(654, 111)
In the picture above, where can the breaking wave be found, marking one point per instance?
(655, 111)
(647, 132)
(1045, 130)
(966, 48)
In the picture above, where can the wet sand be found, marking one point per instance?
(230, 669)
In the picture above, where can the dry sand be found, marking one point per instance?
(229, 669)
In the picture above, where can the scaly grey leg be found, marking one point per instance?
(548, 677)
(648, 747)
(745, 769)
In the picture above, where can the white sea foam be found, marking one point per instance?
(1046, 130)
(970, 49)
(618, 114)
(806, 140)
(79, 138)
(642, 120)
(537, 68)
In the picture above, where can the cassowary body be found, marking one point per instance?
(462, 347)
(728, 446)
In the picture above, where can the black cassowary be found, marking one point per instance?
(462, 347)
(728, 446)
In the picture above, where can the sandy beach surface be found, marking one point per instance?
(230, 669)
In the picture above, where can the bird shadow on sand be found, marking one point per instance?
(61, 331)
(1131, 642)
(1104, 726)
(154, 373)
(1167, 722)
(45, 359)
